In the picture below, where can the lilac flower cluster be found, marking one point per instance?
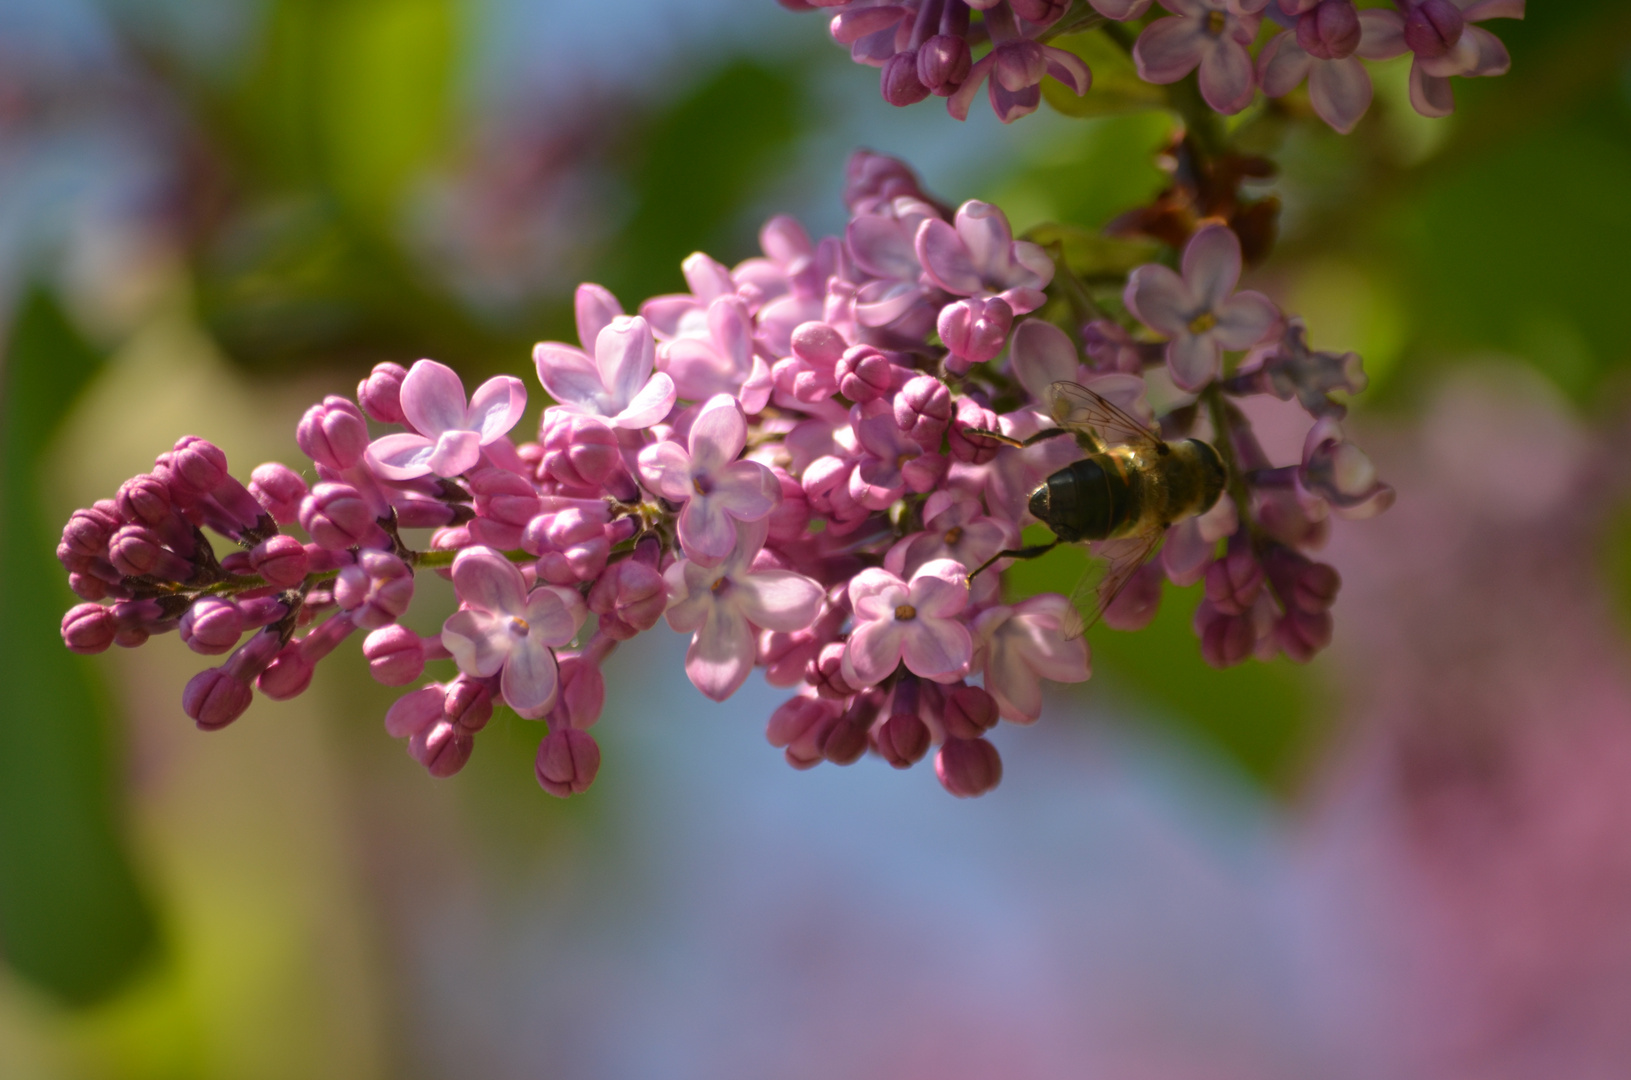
(927, 47)
(787, 463)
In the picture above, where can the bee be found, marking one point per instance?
(1120, 499)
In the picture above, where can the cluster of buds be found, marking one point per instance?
(789, 463)
(927, 47)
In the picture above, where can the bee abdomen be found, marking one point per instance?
(1086, 500)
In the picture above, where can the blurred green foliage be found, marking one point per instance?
(72, 918)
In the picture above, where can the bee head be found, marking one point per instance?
(1214, 474)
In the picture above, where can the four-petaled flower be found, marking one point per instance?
(716, 488)
(448, 434)
(502, 629)
(723, 608)
(912, 621)
(1211, 34)
(1201, 312)
(1024, 644)
(980, 257)
(618, 384)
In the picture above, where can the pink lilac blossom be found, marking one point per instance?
(790, 462)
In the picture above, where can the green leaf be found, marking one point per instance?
(1116, 86)
(72, 919)
(1089, 252)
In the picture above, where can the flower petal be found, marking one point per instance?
(1340, 91)
(938, 649)
(939, 589)
(495, 407)
(1169, 49)
(1212, 265)
(1041, 354)
(650, 406)
(874, 593)
(625, 354)
(554, 615)
(1282, 64)
(1193, 360)
(455, 452)
(570, 376)
(1245, 319)
(882, 247)
(401, 456)
(945, 260)
(665, 468)
(1069, 69)
(486, 581)
(595, 308)
(1381, 35)
(1429, 94)
(873, 651)
(1160, 299)
(530, 677)
(721, 652)
(957, 105)
(717, 435)
(478, 640)
(778, 599)
(433, 398)
(742, 489)
(707, 532)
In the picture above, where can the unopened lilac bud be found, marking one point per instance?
(567, 762)
(337, 516)
(89, 586)
(380, 395)
(904, 738)
(969, 712)
(1433, 27)
(974, 449)
(975, 330)
(1330, 31)
(212, 625)
(231, 510)
(415, 711)
(923, 410)
(968, 767)
(88, 628)
(798, 725)
(792, 513)
(376, 589)
(395, 654)
(442, 748)
(826, 673)
(1226, 640)
(280, 560)
(145, 499)
(197, 466)
(571, 544)
(1234, 582)
(136, 621)
(899, 80)
(865, 374)
(252, 657)
(504, 497)
(333, 433)
(580, 451)
(843, 742)
(214, 698)
(942, 64)
(135, 550)
(279, 490)
(629, 598)
(88, 530)
(582, 694)
(1301, 634)
(258, 611)
(288, 675)
(469, 703)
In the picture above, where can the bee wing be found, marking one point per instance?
(1075, 407)
(1114, 563)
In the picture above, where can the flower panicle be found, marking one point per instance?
(793, 463)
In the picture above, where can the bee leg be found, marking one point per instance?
(1018, 444)
(1015, 553)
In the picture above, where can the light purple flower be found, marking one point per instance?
(1016, 66)
(1201, 312)
(1341, 474)
(890, 462)
(1445, 43)
(720, 359)
(618, 383)
(1207, 34)
(954, 527)
(915, 622)
(677, 315)
(502, 629)
(716, 488)
(723, 608)
(978, 256)
(883, 245)
(1322, 50)
(1024, 644)
(448, 433)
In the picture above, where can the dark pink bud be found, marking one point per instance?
(280, 560)
(380, 395)
(197, 466)
(1330, 31)
(826, 673)
(88, 628)
(976, 329)
(899, 80)
(137, 620)
(504, 497)
(1301, 634)
(799, 725)
(414, 711)
(1039, 11)
(629, 597)
(441, 747)
(212, 625)
(214, 698)
(865, 374)
(1432, 28)
(396, 655)
(974, 449)
(1301, 583)
(923, 409)
(230, 509)
(580, 451)
(145, 499)
(376, 589)
(337, 517)
(288, 675)
(969, 712)
(88, 586)
(567, 762)
(968, 767)
(333, 433)
(1226, 640)
(823, 479)
(1234, 582)
(844, 742)
(137, 552)
(469, 703)
(582, 694)
(903, 739)
(88, 531)
(258, 611)
(252, 657)
(572, 545)
(792, 514)
(943, 63)
(279, 490)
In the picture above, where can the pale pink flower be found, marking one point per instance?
(915, 622)
(723, 607)
(618, 384)
(1205, 34)
(978, 256)
(502, 629)
(717, 490)
(1200, 312)
(954, 527)
(1024, 644)
(448, 433)
(720, 358)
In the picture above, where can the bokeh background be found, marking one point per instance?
(1411, 858)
